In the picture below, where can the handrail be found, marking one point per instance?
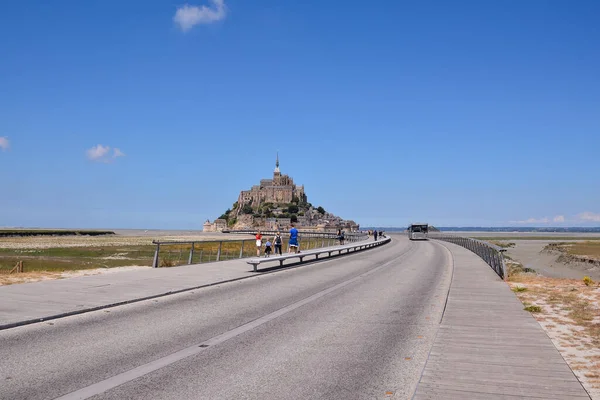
(300, 232)
(361, 245)
(490, 253)
(310, 240)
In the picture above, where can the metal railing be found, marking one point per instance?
(174, 253)
(490, 253)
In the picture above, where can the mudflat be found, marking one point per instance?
(531, 254)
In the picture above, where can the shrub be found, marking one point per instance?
(165, 262)
(588, 281)
(519, 289)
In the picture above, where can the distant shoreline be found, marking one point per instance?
(20, 232)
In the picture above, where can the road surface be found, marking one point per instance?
(354, 327)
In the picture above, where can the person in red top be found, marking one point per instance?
(258, 243)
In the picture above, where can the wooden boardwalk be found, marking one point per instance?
(488, 347)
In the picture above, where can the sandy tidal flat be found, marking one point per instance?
(46, 242)
(530, 254)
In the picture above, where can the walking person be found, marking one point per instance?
(268, 248)
(277, 241)
(293, 246)
(375, 235)
(339, 236)
(258, 243)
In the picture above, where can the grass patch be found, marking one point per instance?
(504, 245)
(516, 270)
(59, 259)
(587, 249)
(519, 289)
(533, 309)
(76, 258)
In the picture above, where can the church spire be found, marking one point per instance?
(277, 163)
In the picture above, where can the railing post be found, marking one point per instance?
(219, 252)
(191, 254)
(503, 266)
(242, 250)
(155, 262)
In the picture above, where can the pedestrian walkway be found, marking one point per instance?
(26, 303)
(488, 347)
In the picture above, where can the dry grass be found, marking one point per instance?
(586, 252)
(6, 279)
(590, 249)
(75, 253)
(504, 245)
(569, 311)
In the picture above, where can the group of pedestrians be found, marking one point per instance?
(277, 243)
(376, 234)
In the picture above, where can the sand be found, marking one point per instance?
(529, 253)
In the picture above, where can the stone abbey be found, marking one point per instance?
(279, 190)
(274, 204)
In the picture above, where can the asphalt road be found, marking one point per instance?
(355, 327)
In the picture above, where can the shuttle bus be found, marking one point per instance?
(418, 231)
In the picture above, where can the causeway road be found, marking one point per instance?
(353, 327)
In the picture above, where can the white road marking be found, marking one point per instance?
(127, 376)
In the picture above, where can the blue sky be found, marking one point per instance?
(155, 114)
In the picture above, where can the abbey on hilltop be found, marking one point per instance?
(274, 204)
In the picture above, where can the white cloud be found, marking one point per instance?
(4, 143)
(559, 218)
(589, 216)
(188, 16)
(96, 153)
(118, 153)
(101, 153)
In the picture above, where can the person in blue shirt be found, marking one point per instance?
(293, 244)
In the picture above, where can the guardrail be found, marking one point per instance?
(345, 248)
(174, 253)
(490, 253)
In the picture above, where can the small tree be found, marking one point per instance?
(294, 218)
(247, 209)
(293, 209)
(321, 210)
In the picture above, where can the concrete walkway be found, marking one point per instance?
(26, 303)
(488, 347)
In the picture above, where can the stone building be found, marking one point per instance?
(280, 189)
(217, 226)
